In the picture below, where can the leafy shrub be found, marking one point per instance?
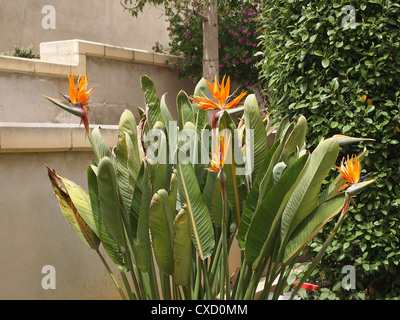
(22, 52)
(345, 79)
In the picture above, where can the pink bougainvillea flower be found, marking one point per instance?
(78, 99)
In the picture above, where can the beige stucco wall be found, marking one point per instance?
(100, 21)
(34, 233)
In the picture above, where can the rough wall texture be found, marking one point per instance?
(99, 21)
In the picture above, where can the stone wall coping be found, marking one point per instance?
(18, 137)
(60, 58)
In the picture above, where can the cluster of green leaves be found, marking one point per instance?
(345, 79)
(22, 52)
(238, 29)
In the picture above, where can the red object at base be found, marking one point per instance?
(307, 286)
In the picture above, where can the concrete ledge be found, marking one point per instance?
(59, 58)
(49, 137)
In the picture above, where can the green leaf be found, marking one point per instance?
(128, 160)
(235, 186)
(153, 110)
(71, 213)
(182, 248)
(100, 146)
(200, 90)
(305, 197)
(114, 251)
(253, 121)
(166, 115)
(201, 224)
(143, 245)
(260, 227)
(309, 227)
(185, 111)
(161, 227)
(110, 202)
(325, 63)
(173, 192)
(67, 106)
(296, 140)
(250, 205)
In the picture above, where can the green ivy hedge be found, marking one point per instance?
(344, 76)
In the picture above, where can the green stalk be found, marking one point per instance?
(196, 289)
(165, 286)
(238, 289)
(93, 146)
(206, 281)
(111, 275)
(153, 281)
(132, 296)
(215, 264)
(224, 274)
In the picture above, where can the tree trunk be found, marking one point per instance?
(210, 42)
(210, 46)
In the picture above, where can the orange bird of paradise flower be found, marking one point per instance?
(220, 153)
(221, 93)
(78, 99)
(350, 171)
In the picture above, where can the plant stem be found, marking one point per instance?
(111, 275)
(131, 295)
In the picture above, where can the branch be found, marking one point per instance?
(128, 8)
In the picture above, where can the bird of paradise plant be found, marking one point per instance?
(77, 99)
(221, 93)
(188, 217)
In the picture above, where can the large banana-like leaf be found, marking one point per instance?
(113, 250)
(173, 192)
(305, 197)
(71, 213)
(296, 140)
(161, 227)
(182, 248)
(201, 224)
(235, 185)
(265, 214)
(101, 148)
(200, 90)
(128, 160)
(143, 246)
(250, 205)
(161, 170)
(166, 115)
(185, 111)
(268, 179)
(309, 227)
(110, 202)
(208, 188)
(253, 121)
(153, 111)
(217, 205)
